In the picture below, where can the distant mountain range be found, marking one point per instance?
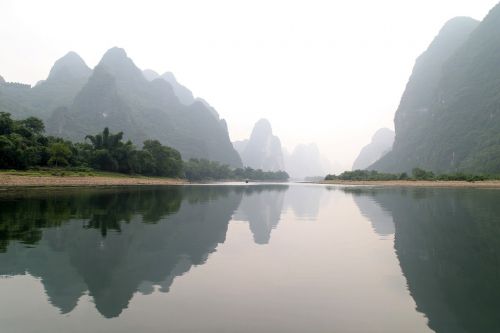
(75, 101)
(305, 160)
(449, 115)
(263, 150)
(380, 145)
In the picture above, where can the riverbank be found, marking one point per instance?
(77, 179)
(416, 183)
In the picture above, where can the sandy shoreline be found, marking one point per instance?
(417, 183)
(9, 180)
(43, 181)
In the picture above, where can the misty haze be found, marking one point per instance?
(266, 166)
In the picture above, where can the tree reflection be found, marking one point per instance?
(24, 215)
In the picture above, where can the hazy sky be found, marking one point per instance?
(330, 72)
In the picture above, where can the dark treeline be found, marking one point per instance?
(196, 169)
(23, 145)
(417, 174)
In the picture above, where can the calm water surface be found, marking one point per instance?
(259, 258)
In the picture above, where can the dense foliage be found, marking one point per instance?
(366, 175)
(23, 145)
(201, 169)
(417, 174)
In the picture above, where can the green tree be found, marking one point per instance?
(167, 161)
(35, 125)
(103, 160)
(60, 153)
(421, 174)
(105, 153)
(6, 123)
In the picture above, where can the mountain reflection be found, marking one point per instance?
(305, 201)
(261, 207)
(448, 245)
(158, 234)
(380, 219)
(111, 243)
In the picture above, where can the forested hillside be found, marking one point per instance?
(448, 118)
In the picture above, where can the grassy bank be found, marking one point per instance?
(62, 177)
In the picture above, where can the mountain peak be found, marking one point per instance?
(383, 134)
(262, 128)
(116, 62)
(69, 66)
(458, 21)
(452, 34)
(116, 58)
(381, 143)
(115, 53)
(169, 76)
(263, 149)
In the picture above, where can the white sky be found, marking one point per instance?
(330, 72)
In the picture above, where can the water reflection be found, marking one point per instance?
(157, 235)
(306, 202)
(261, 207)
(111, 243)
(107, 245)
(24, 215)
(448, 245)
(380, 219)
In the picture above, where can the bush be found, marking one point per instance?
(417, 174)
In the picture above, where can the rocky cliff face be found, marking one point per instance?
(448, 105)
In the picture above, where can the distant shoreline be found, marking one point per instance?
(18, 180)
(415, 183)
